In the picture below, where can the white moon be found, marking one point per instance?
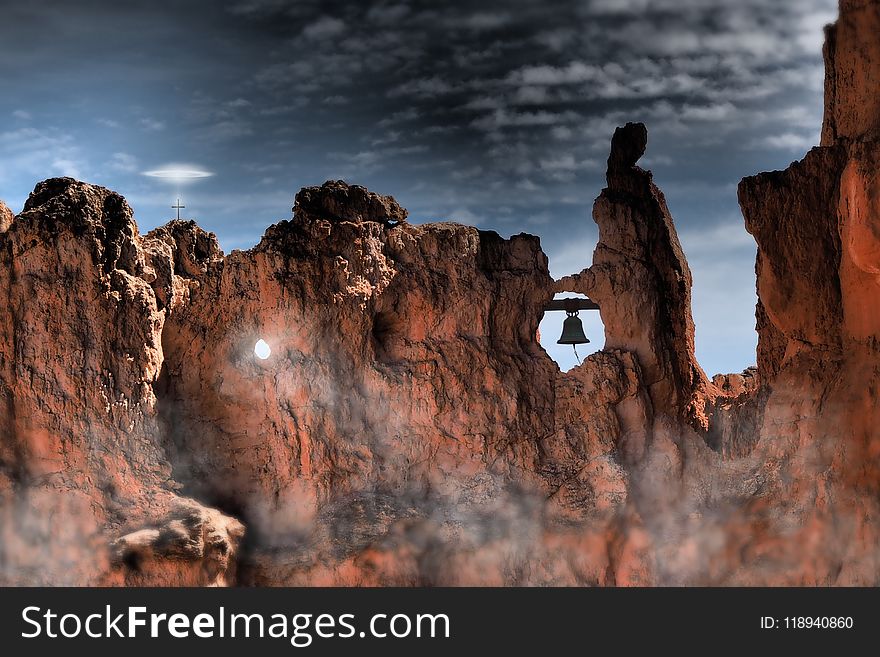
(262, 349)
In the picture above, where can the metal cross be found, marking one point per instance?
(178, 207)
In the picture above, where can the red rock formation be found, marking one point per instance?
(852, 74)
(376, 329)
(6, 217)
(80, 351)
(642, 282)
(818, 231)
(407, 428)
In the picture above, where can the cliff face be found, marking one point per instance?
(407, 427)
(818, 232)
(6, 217)
(852, 73)
(82, 457)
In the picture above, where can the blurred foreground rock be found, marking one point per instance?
(407, 428)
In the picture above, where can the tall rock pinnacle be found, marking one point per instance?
(641, 280)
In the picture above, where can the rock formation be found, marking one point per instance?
(407, 427)
(82, 456)
(6, 217)
(642, 282)
(817, 227)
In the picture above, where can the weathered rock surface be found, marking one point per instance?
(6, 217)
(852, 74)
(642, 282)
(817, 227)
(191, 546)
(407, 427)
(82, 455)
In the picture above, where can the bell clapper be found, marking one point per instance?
(574, 346)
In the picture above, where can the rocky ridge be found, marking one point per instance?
(143, 443)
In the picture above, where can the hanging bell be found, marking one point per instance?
(573, 330)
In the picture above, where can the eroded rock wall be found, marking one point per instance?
(407, 428)
(817, 227)
(82, 456)
(6, 217)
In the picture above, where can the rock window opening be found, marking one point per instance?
(568, 356)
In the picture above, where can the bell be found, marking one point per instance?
(573, 331)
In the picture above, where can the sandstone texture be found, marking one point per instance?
(6, 217)
(82, 456)
(642, 282)
(407, 428)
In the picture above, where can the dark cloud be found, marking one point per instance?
(498, 114)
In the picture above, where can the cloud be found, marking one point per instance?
(388, 138)
(365, 162)
(30, 154)
(506, 119)
(22, 115)
(726, 235)
(483, 21)
(325, 27)
(557, 40)
(464, 216)
(152, 125)
(572, 73)
(718, 112)
(123, 162)
(564, 165)
(400, 116)
(229, 129)
(531, 96)
(336, 99)
(787, 141)
(422, 88)
(259, 7)
(387, 14)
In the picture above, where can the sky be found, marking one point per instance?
(494, 114)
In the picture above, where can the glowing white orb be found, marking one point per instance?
(262, 349)
(179, 173)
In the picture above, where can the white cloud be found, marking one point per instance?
(563, 166)
(122, 162)
(28, 155)
(714, 113)
(787, 141)
(152, 125)
(572, 73)
(504, 119)
(531, 96)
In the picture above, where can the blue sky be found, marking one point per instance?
(497, 115)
